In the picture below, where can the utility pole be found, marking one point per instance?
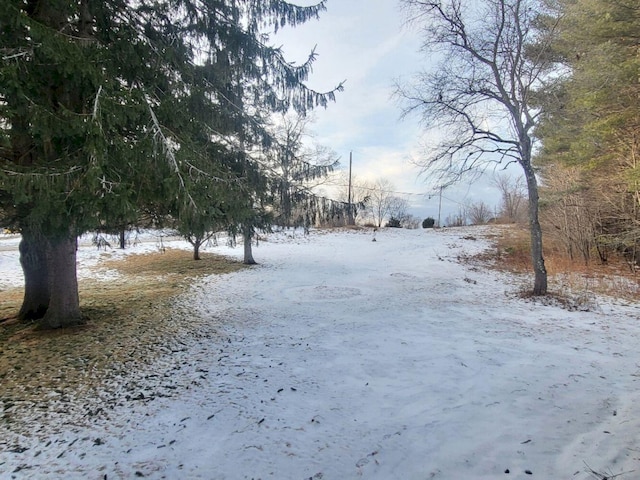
(440, 206)
(350, 219)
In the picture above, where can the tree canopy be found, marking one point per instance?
(296, 169)
(113, 108)
(590, 128)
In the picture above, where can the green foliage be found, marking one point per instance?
(116, 112)
(591, 119)
(586, 110)
(114, 108)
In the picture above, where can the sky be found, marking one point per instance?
(335, 358)
(369, 44)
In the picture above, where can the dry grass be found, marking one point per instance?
(10, 302)
(130, 321)
(512, 253)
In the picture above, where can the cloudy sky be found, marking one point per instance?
(368, 44)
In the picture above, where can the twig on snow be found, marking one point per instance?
(605, 476)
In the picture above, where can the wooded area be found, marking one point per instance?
(590, 129)
(119, 114)
(551, 85)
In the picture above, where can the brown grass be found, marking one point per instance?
(146, 282)
(130, 321)
(512, 253)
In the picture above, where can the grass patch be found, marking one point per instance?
(174, 263)
(10, 302)
(131, 319)
(512, 253)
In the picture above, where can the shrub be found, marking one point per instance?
(428, 222)
(394, 223)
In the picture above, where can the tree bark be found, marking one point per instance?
(247, 236)
(539, 269)
(196, 250)
(36, 276)
(64, 302)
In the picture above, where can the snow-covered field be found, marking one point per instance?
(343, 358)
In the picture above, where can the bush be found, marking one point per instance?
(428, 222)
(394, 223)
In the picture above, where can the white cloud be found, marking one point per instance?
(364, 42)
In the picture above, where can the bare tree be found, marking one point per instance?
(296, 169)
(481, 94)
(411, 222)
(360, 195)
(514, 197)
(381, 201)
(479, 213)
(456, 219)
(573, 212)
(398, 209)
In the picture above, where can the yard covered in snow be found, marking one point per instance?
(342, 358)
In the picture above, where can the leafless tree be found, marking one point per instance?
(296, 168)
(411, 222)
(398, 208)
(382, 201)
(479, 213)
(481, 93)
(514, 197)
(456, 219)
(569, 212)
(360, 195)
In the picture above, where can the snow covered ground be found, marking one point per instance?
(343, 358)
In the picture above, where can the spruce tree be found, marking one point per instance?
(294, 166)
(111, 108)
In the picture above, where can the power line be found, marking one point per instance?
(374, 189)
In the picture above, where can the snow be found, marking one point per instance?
(342, 358)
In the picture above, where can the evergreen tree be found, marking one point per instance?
(294, 166)
(111, 108)
(591, 119)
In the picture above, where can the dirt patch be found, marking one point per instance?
(133, 319)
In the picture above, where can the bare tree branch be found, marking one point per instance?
(478, 99)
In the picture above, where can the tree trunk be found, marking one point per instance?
(286, 204)
(64, 303)
(123, 239)
(539, 269)
(36, 276)
(196, 250)
(247, 235)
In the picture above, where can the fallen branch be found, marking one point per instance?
(605, 476)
